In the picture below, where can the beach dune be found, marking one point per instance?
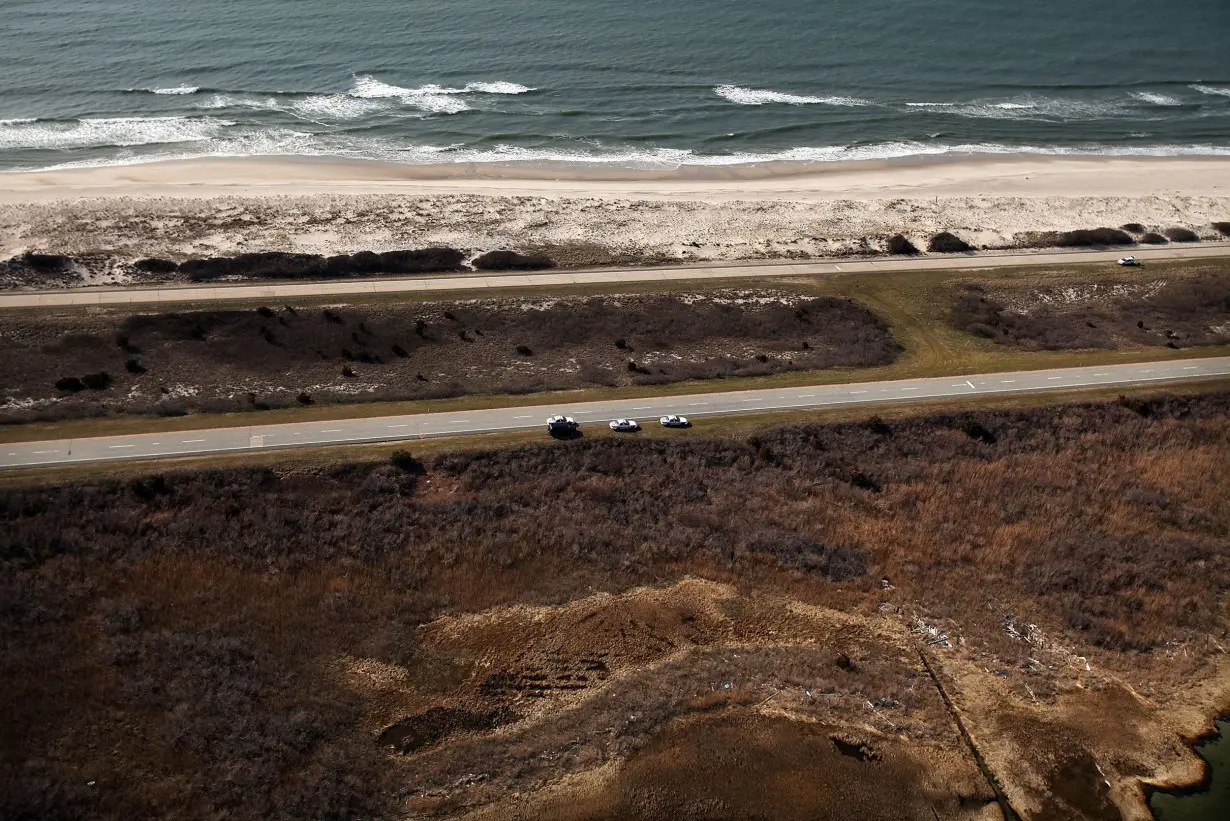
(594, 216)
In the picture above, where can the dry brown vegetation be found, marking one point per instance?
(1186, 312)
(263, 644)
(277, 356)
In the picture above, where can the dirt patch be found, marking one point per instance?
(741, 765)
(1186, 312)
(280, 356)
(415, 732)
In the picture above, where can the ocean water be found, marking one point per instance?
(637, 83)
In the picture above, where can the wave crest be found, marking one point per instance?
(1214, 90)
(1155, 98)
(753, 96)
(175, 91)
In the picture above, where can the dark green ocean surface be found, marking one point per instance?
(636, 83)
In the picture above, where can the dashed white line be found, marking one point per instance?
(749, 400)
(855, 392)
(696, 404)
(807, 395)
(458, 421)
(644, 407)
(1189, 367)
(332, 430)
(1147, 370)
(41, 452)
(1054, 377)
(399, 426)
(191, 441)
(1099, 374)
(909, 389)
(523, 417)
(113, 447)
(1006, 381)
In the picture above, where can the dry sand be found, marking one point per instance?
(221, 206)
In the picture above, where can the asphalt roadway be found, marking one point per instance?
(698, 407)
(289, 291)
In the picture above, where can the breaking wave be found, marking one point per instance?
(753, 96)
(175, 91)
(1214, 90)
(1154, 98)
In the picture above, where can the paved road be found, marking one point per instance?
(589, 414)
(282, 291)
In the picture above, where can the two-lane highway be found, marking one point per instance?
(457, 423)
(290, 291)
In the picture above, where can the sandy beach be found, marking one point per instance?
(584, 216)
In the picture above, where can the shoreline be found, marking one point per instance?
(915, 176)
(1179, 787)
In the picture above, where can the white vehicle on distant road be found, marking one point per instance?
(1129, 261)
(561, 424)
(673, 421)
(624, 425)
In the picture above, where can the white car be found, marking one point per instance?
(673, 421)
(561, 424)
(1128, 261)
(624, 425)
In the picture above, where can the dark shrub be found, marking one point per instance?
(200, 270)
(1222, 228)
(1098, 236)
(304, 398)
(948, 243)
(898, 244)
(424, 260)
(265, 312)
(512, 261)
(133, 366)
(1152, 238)
(282, 265)
(70, 383)
(398, 350)
(1133, 228)
(525, 350)
(1181, 235)
(97, 381)
(1139, 406)
(622, 344)
(974, 429)
(47, 263)
(347, 371)
(153, 265)
(404, 460)
(877, 425)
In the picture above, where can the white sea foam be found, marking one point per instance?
(331, 106)
(240, 142)
(1214, 90)
(753, 96)
(1154, 98)
(18, 121)
(432, 98)
(176, 91)
(498, 87)
(1028, 107)
(111, 132)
